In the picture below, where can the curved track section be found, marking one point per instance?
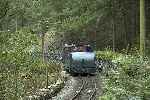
(88, 89)
(81, 88)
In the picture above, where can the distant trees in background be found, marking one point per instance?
(103, 23)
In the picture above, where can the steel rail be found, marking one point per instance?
(82, 88)
(93, 93)
(78, 93)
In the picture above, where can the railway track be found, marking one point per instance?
(80, 88)
(87, 89)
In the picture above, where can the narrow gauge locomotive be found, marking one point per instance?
(81, 61)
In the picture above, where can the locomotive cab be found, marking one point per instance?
(80, 62)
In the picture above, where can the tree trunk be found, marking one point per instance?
(16, 23)
(142, 27)
(113, 25)
(113, 34)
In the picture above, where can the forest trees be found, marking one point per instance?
(109, 23)
(104, 23)
(4, 7)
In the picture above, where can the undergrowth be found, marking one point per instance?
(22, 71)
(129, 80)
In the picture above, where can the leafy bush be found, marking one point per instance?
(129, 81)
(106, 55)
(22, 71)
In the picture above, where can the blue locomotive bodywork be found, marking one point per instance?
(80, 62)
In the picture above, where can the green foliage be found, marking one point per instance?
(129, 81)
(20, 53)
(107, 97)
(22, 70)
(18, 47)
(73, 15)
(107, 55)
(15, 57)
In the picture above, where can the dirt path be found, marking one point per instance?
(74, 84)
